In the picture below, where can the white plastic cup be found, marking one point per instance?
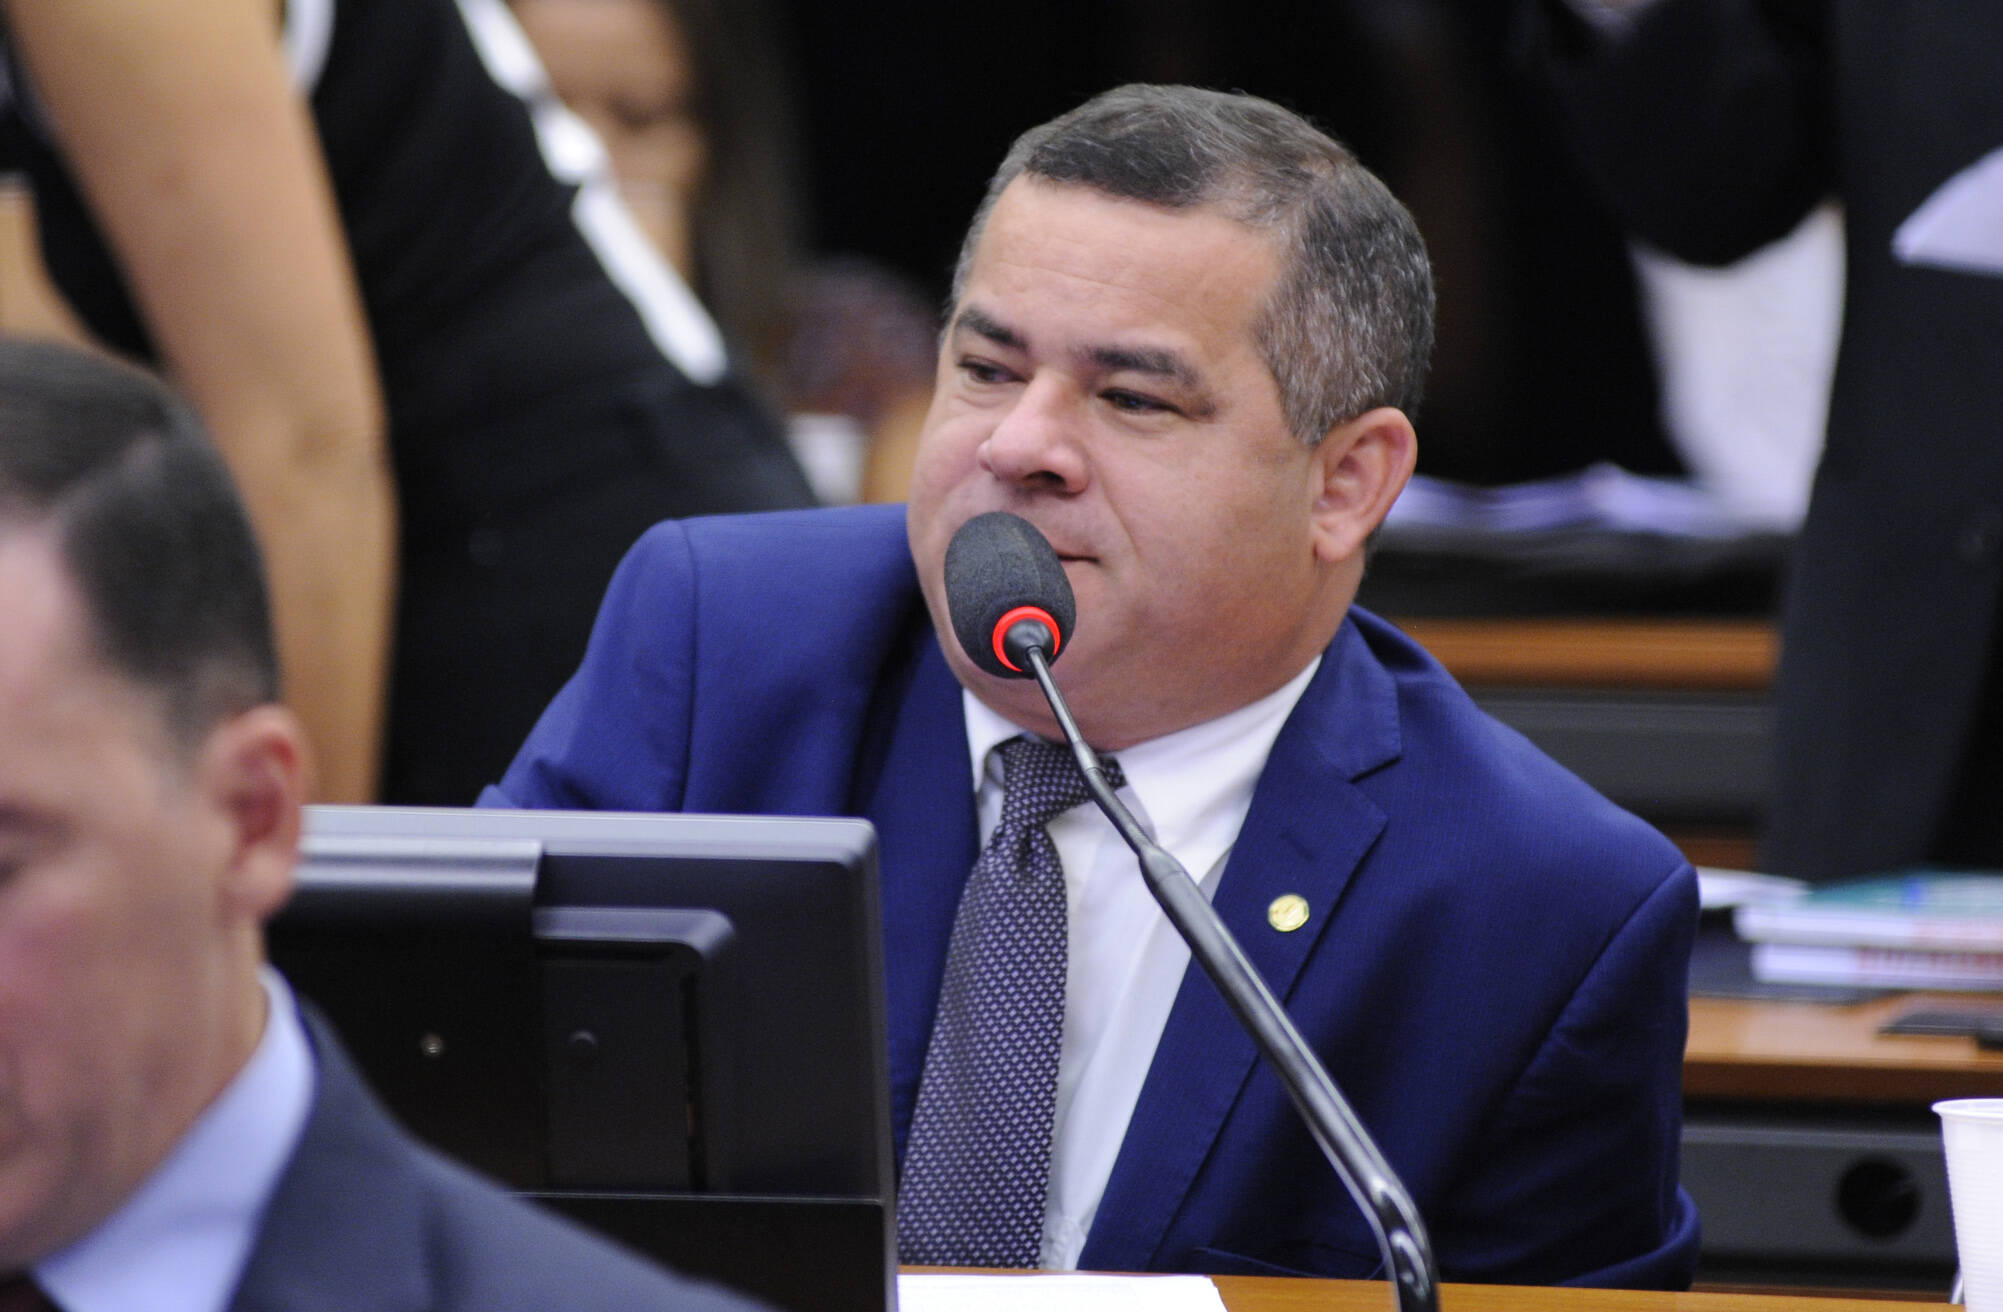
(1972, 1131)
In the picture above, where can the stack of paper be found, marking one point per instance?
(1921, 929)
(1602, 497)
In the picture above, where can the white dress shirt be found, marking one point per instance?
(1190, 790)
(180, 1242)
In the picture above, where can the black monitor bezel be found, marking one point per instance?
(461, 901)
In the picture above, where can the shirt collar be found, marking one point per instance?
(1185, 777)
(180, 1242)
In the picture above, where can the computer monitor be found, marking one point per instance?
(668, 1026)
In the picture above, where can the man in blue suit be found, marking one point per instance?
(1186, 334)
(175, 1135)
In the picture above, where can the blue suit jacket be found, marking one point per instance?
(1494, 969)
(364, 1219)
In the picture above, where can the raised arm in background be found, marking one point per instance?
(201, 166)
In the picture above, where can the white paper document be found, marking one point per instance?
(1719, 890)
(1960, 226)
(1056, 1293)
(1601, 497)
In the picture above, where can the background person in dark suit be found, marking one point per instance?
(1713, 126)
(1186, 333)
(172, 1133)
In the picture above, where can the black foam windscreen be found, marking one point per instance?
(996, 563)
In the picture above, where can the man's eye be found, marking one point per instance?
(984, 371)
(1135, 402)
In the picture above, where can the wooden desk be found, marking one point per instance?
(1810, 1145)
(1272, 1294)
(1668, 717)
(1787, 1052)
(1258, 1294)
(1660, 654)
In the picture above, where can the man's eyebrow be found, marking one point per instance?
(1141, 360)
(973, 319)
(1111, 359)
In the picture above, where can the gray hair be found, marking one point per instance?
(1350, 323)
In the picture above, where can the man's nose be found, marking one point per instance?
(1040, 441)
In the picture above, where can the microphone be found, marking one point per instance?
(1011, 607)
(1000, 574)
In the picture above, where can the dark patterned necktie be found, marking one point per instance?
(977, 1163)
(20, 1293)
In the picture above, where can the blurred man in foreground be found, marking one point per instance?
(173, 1133)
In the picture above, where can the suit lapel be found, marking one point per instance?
(346, 1226)
(916, 786)
(1308, 828)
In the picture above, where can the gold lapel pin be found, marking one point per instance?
(1288, 912)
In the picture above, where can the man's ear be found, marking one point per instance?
(1360, 466)
(254, 769)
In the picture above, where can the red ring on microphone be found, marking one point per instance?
(1016, 616)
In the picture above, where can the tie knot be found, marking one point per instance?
(1041, 780)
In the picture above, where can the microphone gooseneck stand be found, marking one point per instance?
(1383, 1199)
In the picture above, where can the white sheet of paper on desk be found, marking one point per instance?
(1056, 1293)
(1602, 497)
(1960, 226)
